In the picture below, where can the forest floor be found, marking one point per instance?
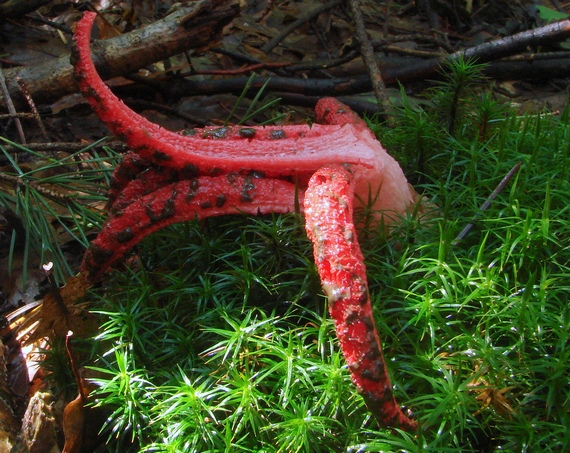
(318, 56)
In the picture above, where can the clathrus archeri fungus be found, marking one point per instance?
(229, 170)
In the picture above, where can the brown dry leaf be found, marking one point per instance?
(492, 396)
(489, 395)
(73, 425)
(106, 29)
(252, 30)
(59, 312)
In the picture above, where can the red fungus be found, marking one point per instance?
(191, 199)
(275, 151)
(259, 170)
(329, 224)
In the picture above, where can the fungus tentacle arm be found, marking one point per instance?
(339, 261)
(277, 151)
(196, 198)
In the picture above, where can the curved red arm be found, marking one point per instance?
(339, 260)
(197, 198)
(295, 151)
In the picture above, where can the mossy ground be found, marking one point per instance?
(218, 339)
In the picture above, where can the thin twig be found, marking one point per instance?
(236, 55)
(11, 108)
(367, 53)
(416, 38)
(61, 27)
(5, 116)
(313, 65)
(247, 69)
(33, 108)
(47, 192)
(487, 203)
(539, 56)
(68, 147)
(408, 52)
(296, 24)
(317, 65)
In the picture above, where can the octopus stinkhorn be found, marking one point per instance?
(321, 169)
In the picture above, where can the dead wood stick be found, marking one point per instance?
(528, 70)
(175, 89)
(511, 45)
(487, 203)
(297, 23)
(315, 65)
(367, 53)
(194, 25)
(52, 81)
(11, 109)
(315, 87)
(556, 55)
(496, 49)
(34, 110)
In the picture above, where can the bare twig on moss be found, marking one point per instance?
(487, 203)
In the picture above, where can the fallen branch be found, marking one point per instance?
(343, 86)
(52, 81)
(367, 52)
(487, 52)
(194, 25)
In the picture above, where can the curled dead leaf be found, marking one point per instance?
(73, 424)
(60, 312)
